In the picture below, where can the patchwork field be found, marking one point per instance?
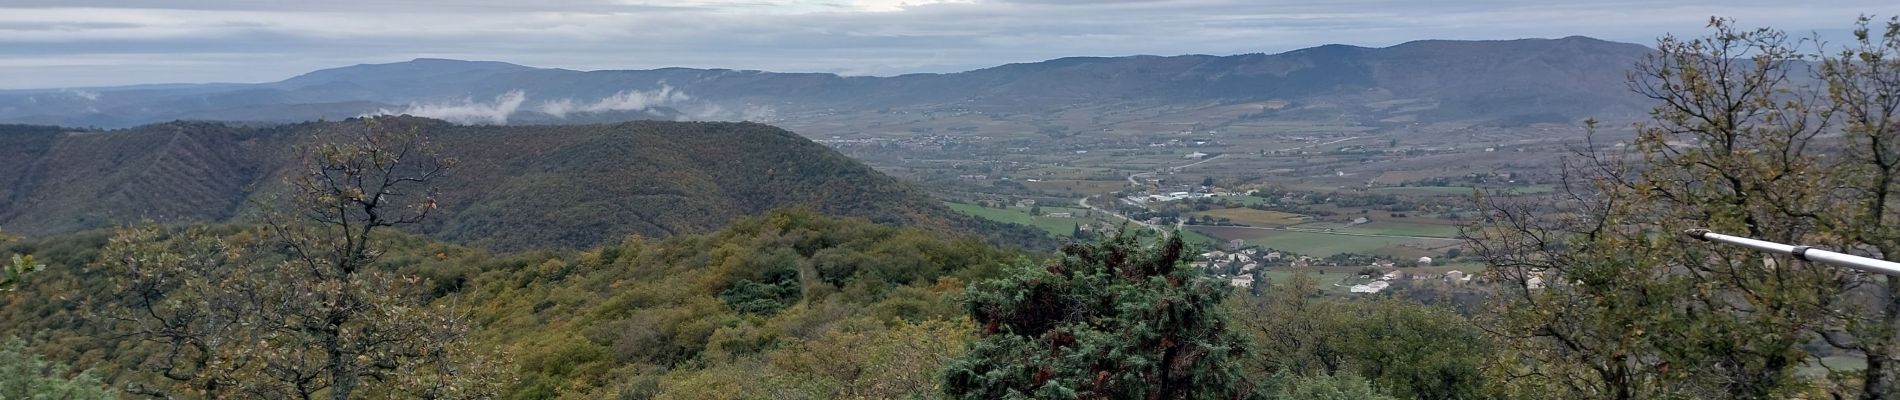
(1431, 190)
(1245, 200)
(1192, 237)
(1322, 244)
(1254, 217)
(1079, 187)
(1460, 190)
(1384, 227)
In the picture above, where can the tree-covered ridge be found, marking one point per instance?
(731, 311)
(323, 298)
(515, 187)
(792, 304)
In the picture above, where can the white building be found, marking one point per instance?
(1373, 287)
(1425, 261)
(1242, 281)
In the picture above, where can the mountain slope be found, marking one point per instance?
(514, 187)
(1568, 78)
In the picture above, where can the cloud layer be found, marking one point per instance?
(67, 43)
(626, 100)
(466, 111)
(505, 106)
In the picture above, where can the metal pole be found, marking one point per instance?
(1804, 253)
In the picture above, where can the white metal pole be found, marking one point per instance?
(1804, 253)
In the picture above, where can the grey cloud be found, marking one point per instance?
(61, 26)
(362, 5)
(197, 40)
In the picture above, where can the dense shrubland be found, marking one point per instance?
(798, 305)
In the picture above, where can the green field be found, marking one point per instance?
(1532, 189)
(1254, 217)
(1058, 227)
(1382, 227)
(1190, 236)
(1442, 190)
(1462, 190)
(1245, 200)
(1323, 244)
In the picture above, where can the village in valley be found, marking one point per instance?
(1372, 208)
(1240, 269)
(1351, 189)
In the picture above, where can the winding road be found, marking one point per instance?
(1327, 143)
(1084, 202)
(1132, 181)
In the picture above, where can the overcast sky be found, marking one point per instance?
(70, 43)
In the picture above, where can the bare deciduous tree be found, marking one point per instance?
(300, 308)
(1748, 137)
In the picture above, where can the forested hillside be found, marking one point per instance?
(321, 293)
(797, 305)
(511, 188)
(783, 303)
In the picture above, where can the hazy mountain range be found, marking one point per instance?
(514, 186)
(1515, 80)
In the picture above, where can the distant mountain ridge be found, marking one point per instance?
(514, 187)
(1567, 78)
